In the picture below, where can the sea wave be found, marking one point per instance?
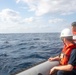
(20, 51)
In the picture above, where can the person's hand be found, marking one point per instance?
(51, 59)
(54, 58)
(52, 71)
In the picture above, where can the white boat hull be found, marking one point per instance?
(41, 69)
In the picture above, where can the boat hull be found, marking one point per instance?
(41, 69)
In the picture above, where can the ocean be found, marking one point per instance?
(20, 51)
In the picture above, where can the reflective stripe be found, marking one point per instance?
(74, 37)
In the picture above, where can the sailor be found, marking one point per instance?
(74, 31)
(67, 58)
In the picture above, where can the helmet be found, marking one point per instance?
(66, 32)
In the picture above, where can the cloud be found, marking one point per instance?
(56, 20)
(69, 13)
(9, 15)
(42, 7)
(29, 20)
(11, 21)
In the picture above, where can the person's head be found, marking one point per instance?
(66, 35)
(73, 26)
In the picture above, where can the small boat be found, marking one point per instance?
(40, 69)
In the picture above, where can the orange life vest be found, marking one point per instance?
(65, 54)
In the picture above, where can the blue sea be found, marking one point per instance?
(20, 51)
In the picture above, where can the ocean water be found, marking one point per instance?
(20, 51)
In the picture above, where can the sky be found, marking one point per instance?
(36, 16)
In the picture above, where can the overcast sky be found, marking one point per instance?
(35, 16)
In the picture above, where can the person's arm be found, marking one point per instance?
(54, 58)
(64, 68)
(68, 67)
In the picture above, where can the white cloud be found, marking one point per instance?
(9, 15)
(69, 13)
(56, 20)
(28, 20)
(42, 7)
(17, 1)
(11, 21)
